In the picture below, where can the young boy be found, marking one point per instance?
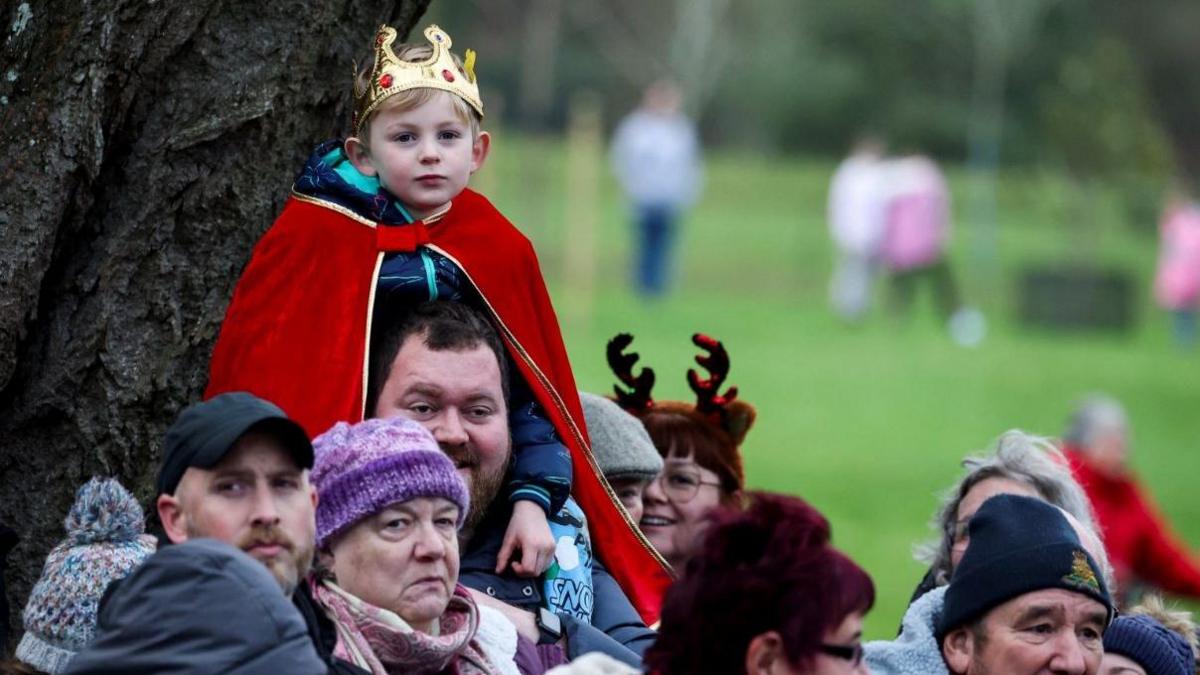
(383, 222)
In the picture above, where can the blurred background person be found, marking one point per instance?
(915, 235)
(105, 541)
(656, 158)
(1150, 640)
(624, 451)
(1143, 548)
(1177, 281)
(855, 214)
(766, 593)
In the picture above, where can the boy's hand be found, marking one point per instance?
(529, 533)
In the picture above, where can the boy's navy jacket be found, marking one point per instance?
(296, 332)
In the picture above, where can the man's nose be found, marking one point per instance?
(450, 429)
(1069, 656)
(265, 510)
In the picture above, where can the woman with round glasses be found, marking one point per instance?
(766, 593)
(699, 443)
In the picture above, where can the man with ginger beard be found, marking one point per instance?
(443, 365)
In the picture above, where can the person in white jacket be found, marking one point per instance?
(656, 158)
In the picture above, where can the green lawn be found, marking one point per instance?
(868, 424)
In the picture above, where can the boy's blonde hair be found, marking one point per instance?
(412, 98)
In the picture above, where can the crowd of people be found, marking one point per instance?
(392, 472)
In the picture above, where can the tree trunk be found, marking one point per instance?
(147, 146)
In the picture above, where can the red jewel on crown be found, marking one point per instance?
(448, 75)
(385, 80)
(379, 39)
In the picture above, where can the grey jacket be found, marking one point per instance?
(916, 650)
(199, 607)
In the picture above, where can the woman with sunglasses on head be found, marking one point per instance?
(765, 594)
(699, 443)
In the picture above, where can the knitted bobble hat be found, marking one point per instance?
(105, 542)
(1153, 646)
(620, 443)
(361, 469)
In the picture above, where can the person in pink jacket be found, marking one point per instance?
(916, 232)
(1177, 282)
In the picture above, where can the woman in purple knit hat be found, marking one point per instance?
(390, 505)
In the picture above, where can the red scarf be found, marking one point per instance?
(297, 328)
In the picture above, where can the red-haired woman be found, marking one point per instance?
(699, 443)
(766, 593)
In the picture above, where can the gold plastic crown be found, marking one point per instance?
(392, 75)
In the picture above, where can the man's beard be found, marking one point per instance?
(289, 567)
(482, 486)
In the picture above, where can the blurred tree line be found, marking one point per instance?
(1105, 89)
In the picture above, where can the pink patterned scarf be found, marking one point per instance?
(380, 641)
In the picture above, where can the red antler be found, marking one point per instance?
(708, 396)
(638, 398)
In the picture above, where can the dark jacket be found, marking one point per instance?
(199, 607)
(615, 629)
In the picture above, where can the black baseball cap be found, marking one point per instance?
(205, 432)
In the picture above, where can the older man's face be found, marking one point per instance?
(1051, 631)
(459, 398)
(256, 499)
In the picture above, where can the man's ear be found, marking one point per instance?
(359, 156)
(765, 654)
(958, 648)
(480, 150)
(173, 518)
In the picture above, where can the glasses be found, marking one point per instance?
(680, 485)
(851, 653)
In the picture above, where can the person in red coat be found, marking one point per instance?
(1141, 545)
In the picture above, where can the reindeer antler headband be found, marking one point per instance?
(637, 400)
(710, 402)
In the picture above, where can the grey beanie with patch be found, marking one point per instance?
(620, 443)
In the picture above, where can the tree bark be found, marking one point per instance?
(147, 145)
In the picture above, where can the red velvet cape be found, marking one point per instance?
(297, 328)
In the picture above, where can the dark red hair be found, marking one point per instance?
(768, 567)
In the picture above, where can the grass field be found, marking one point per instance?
(866, 423)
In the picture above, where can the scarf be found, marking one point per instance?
(378, 640)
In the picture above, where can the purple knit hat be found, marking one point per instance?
(361, 469)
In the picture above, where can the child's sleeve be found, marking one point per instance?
(541, 470)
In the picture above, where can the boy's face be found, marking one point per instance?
(423, 156)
